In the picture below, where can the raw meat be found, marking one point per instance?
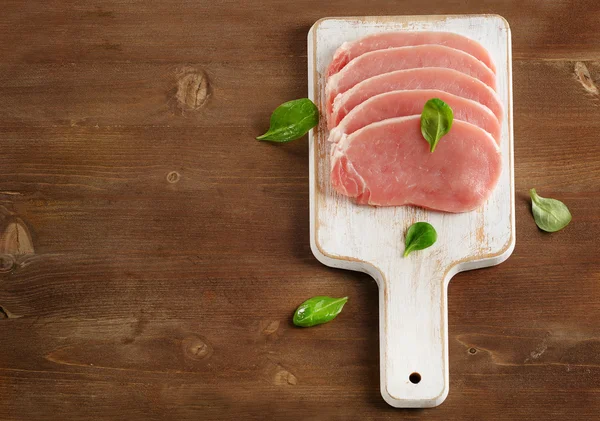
(350, 50)
(407, 103)
(389, 164)
(385, 61)
(447, 80)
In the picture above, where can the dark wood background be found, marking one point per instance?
(152, 251)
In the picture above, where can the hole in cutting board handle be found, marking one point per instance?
(414, 378)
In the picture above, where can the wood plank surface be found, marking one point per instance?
(152, 252)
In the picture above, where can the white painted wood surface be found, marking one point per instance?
(413, 290)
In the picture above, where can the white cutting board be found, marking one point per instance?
(413, 309)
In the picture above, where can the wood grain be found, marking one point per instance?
(143, 295)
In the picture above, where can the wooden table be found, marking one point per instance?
(152, 251)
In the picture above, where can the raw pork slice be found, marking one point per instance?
(407, 103)
(447, 80)
(350, 50)
(385, 61)
(389, 164)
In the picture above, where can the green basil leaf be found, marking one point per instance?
(436, 121)
(419, 236)
(318, 310)
(550, 215)
(292, 120)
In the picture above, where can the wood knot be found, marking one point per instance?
(173, 177)
(196, 348)
(269, 330)
(7, 262)
(5, 314)
(111, 46)
(192, 88)
(583, 76)
(269, 327)
(101, 13)
(16, 239)
(276, 374)
(472, 351)
(284, 377)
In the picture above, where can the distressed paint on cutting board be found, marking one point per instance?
(413, 290)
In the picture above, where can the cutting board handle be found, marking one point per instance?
(413, 330)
